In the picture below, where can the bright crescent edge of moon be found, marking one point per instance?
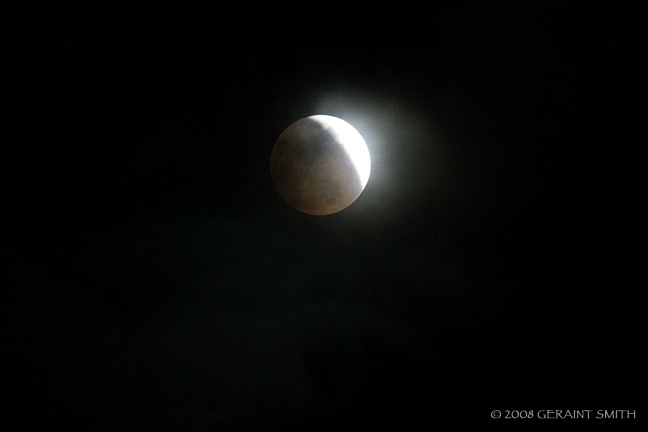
(352, 142)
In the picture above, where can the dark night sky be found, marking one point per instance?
(154, 279)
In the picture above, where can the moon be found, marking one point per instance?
(320, 165)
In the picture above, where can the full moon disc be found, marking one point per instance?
(320, 164)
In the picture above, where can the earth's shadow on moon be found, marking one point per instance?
(311, 170)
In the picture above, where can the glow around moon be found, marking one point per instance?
(320, 164)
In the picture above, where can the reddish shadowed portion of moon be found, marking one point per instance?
(320, 165)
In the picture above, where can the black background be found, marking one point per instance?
(155, 280)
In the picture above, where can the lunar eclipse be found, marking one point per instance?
(377, 217)
(320, 165)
